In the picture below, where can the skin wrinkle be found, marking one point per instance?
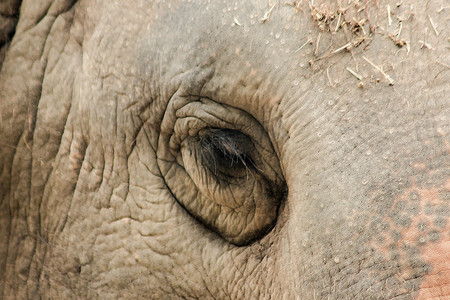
(63, 222)
(31, 127)
(29, 197)
(77, 171)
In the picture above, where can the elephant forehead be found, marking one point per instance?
(266, 53)
(261, 56)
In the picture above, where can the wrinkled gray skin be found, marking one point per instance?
(107, 189)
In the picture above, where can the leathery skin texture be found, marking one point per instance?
(224, 150)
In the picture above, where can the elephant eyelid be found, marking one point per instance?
(220, 165)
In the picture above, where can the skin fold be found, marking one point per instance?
(224, 150)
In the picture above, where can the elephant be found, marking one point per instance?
(224, 149)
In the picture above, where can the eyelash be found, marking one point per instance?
(227, 149)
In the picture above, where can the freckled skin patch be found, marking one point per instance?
(420, 242)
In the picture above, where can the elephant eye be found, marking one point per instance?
(220, 165)
(227, 152)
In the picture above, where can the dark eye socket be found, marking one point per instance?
(226, 152)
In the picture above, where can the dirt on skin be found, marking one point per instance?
(350, 26)
(353, 22)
